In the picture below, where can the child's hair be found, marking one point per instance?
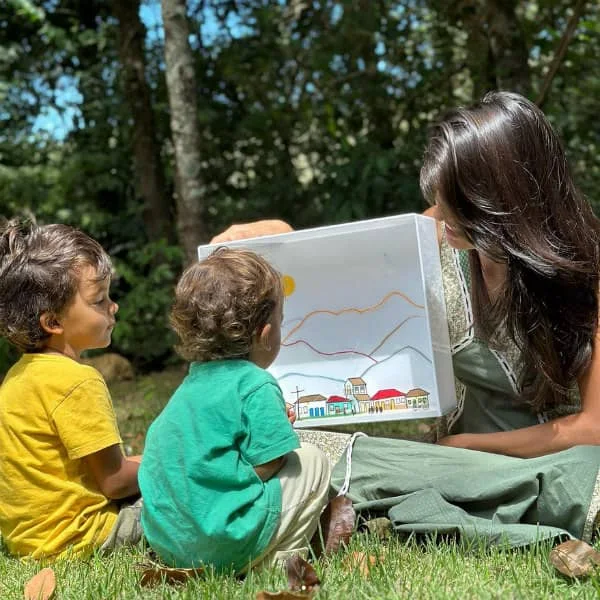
(39, 273)
(221, 302)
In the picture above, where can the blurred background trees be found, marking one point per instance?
(311, 111)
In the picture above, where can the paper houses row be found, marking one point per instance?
(356, 400)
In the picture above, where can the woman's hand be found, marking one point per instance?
(250, 230)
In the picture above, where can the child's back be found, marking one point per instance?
(53, 412)
(203, 501)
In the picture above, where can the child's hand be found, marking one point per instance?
(267, 470)
(291, 415)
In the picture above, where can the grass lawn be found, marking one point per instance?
(403, 568)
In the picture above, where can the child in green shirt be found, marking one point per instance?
(224, 479)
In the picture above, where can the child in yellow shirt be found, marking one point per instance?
(61, 464)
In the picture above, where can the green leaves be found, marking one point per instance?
(314, 112)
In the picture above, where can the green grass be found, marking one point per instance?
(405, 568)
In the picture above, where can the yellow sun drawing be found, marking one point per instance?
(289, 285)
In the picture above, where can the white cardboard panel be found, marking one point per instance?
(365, 336)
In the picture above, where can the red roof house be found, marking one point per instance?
(389, 393)
(336, 399)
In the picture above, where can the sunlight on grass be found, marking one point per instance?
(404, 568)
(137, 403)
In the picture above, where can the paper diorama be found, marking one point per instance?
(364, 335)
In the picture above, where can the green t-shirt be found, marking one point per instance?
(203, 501)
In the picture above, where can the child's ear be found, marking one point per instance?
(264, 337)
(50, 323)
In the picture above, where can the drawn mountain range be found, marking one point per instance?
(386, 343)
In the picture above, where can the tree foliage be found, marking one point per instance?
(315, 112)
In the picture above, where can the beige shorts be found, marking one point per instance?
(304, 494)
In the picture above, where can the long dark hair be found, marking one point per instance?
(500, 173)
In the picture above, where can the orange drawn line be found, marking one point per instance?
(356, 310)
(391, 333)
(329, 353)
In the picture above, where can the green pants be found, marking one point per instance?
(424, 488)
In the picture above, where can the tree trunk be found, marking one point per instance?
(508, 47)
(150, 178)
(559, 55)
(497, 55)
(478, 59)
(181, 86)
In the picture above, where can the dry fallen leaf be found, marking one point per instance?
(302, 581)
(337, 525)
(575, 558)
(359, 561)
(283, 595)
(301, 575)
(155, 574)
(41, 586)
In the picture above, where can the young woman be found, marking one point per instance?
(520, 251)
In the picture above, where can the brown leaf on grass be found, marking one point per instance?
(302, 581)
(155, 574)
(359, 561)
(41, 586)
(575, 558)
(283, 595)
(301, 575)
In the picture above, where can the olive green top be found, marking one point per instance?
(487, 380)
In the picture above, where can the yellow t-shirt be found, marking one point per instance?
(53, 412)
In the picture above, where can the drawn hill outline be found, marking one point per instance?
(368, 355)
(363, 373)
(360, 311)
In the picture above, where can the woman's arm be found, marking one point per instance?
(581, 429)
(115, 474)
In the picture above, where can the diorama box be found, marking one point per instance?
(364, 334)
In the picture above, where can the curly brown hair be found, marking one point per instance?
(221, 302)
(39, 273)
